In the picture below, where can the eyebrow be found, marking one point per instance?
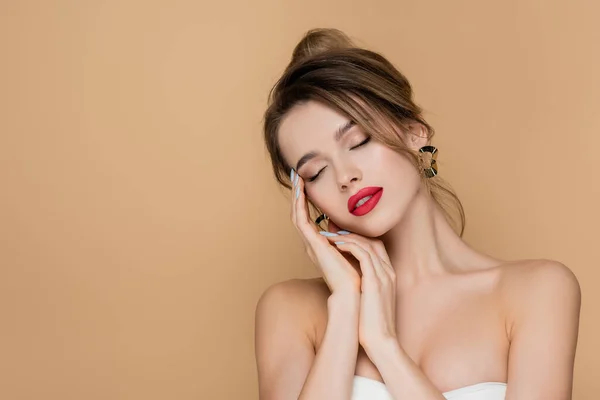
(339, 133)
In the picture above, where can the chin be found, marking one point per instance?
(373, 225)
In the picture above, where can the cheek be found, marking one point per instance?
(327, 200)
(397, 173)
(389, 163)
(320, 196)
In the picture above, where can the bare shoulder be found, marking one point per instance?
(301, 293)
(528, 287)
(286, 318)
(305, 299)
(522, 276)
(543, 300)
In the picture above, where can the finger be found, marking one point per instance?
(293, 196)
(381, 251)
(378, 264)
(303, 222)
(377, 247)
(363, 257)
(380, 269)
(375, 244)
(385, 259)
(294, 179)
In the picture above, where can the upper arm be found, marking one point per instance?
(284, 351)
(544, 333)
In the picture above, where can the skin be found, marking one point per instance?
(435, 314)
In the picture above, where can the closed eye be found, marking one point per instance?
(362, 143)
(312, 178)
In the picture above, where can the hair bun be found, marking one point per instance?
(320, 40)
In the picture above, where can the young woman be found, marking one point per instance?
(405, 309)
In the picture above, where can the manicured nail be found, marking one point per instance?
(297, 192)
(296, 180)
(343, 232)
(339, 242)
(329, 234)
(292, 175)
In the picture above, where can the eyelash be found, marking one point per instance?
(312, 178)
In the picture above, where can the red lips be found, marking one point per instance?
(364, 192)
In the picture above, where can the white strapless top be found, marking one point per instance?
(371, 389)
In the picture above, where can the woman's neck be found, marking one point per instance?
(424, 245)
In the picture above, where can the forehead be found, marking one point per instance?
(306, 126)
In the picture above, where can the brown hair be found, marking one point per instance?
(362, 85)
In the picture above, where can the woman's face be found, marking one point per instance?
(335, 167)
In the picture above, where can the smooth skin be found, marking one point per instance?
(403, 300)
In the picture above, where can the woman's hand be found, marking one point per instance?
(339, 274)
(377, 321)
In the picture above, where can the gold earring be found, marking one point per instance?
(432, 170)
(321, 218)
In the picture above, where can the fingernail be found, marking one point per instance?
(296, 180)
(330, 234)
(343, 232)
(297, 192)
(339, 242)
(292, 175)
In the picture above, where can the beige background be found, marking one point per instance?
(139, 221)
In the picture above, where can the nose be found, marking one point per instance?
(348, 176)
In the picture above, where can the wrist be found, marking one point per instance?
(343, 313)
(344, 299)
(382, 346)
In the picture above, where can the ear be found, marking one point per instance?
(417, 136)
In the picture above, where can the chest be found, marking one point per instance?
(456, 337)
